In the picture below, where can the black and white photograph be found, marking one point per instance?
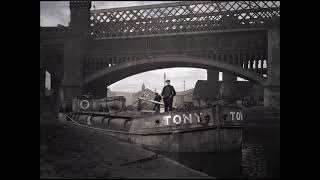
(159, 89)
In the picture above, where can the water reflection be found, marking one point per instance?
(253, 161)
(258, 158)
(220, 165)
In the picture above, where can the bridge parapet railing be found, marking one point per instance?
(183, 17)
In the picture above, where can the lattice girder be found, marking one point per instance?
(195, 16)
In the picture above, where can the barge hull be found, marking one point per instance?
(152, 132)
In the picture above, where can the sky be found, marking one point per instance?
(48, 81)
(57, 12)
(155, 79)
(53, 13)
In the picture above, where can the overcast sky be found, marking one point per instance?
(57, 12)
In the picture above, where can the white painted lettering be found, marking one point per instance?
(198, 117)
(177, 117)
(238, 116)
(166, 119)
(232, 113)
(185, 118)
(88, 120)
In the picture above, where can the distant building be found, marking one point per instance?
(132, 97)
(143, 87)
(111, 93)
(243, 89)
(126, 95)
(181, 97)
(145, 92)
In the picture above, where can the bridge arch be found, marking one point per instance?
(115, 73)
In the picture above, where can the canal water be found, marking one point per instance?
(259, 156)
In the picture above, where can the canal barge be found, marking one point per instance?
(214, 128)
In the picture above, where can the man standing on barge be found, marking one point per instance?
(168, 93)
(156, 107)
